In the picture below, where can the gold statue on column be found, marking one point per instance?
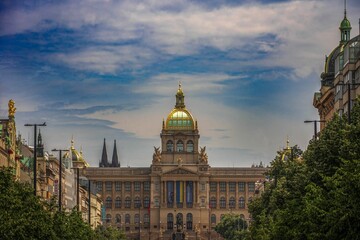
(12, 108)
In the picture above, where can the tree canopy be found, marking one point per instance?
(25, 216)
(315, 195)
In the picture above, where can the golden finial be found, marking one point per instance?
(287, 142)
(72, 141)
(12, 108)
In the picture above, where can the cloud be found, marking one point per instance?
(107, 59)
(134, 34)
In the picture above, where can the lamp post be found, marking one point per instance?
(315, 126)
(35, 147)
(139, 206)
(60, 173)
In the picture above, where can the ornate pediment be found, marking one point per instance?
(179, 171)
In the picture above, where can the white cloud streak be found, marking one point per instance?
(185, 30)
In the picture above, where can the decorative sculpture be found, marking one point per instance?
(203, 155)
(157, 155)
(12, 108)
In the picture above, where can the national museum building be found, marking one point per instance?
(180, 195)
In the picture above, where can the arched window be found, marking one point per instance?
(127, 202)
(242, 216)
(189, 146)
(241, 202)
(137, 218)
(213, 219)
(169, 146)
(118, 218)
(137, 202)
(250, 200)
(146, 202)
(222, 216)
(118, 202)
(127, 219)
(108, 202)
(213, 202)
(108, 218)
(179, 220)
(179, 146)
(170, 221)
(232, 202)
(189, 221)
(222, 202)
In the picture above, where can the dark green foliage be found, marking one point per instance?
(232, 227)
(316, 196)
(25, 216)
(109, 233)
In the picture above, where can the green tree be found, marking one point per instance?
(109, 233)
(25, 216)
(232, 227)
(315, 196)
(22, 215)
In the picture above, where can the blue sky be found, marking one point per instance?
(110, 69)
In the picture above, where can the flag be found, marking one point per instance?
(179, 191)
(189, 191)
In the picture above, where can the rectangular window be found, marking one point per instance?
(251, 186)
(128, 186)
(213, 186)
(222, 186)
(241, 187)
(202, 187)
(118, 186)
(108, 186)
(137, 186)
(99, 186)
(232, 186)
(146, 186)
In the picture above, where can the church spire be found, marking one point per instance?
(115, 160)
(40, 146)
(345, 28)
(104, 160)
(180, 98)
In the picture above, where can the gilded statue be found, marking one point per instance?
(156, 155)
(203, 155)
(12, 108)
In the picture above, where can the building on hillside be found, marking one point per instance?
(9, 156)
(180, 195)
(341, 77)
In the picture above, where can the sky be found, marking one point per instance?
(100, 69)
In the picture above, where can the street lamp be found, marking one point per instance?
(139, 206)
(35, 147)
(315, 125)
(60, 173)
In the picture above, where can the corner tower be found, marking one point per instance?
(345, 28)
(179, 135)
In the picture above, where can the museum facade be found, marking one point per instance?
(179, 195)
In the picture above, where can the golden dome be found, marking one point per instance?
(74, 155)
(180, 118)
